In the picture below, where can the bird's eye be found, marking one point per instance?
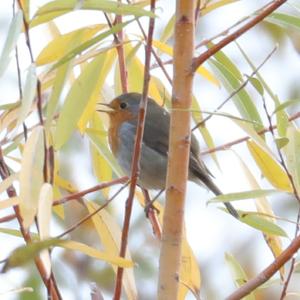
(123, 105)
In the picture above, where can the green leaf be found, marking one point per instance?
(59, 81)
(76, 101)
(102, 147)
(286, 104)
(22, 255)
(239, 275)
(90, 43)
(242, 100)
(284, 20)
(28, 95)
(57, 8)
(281, 116)
(11, 40)
(257, 85)
(227, 63)
(243, 195)
(293, 157)
(262, 224)
(281, 142)
(168, 30)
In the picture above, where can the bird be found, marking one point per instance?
(123, 117)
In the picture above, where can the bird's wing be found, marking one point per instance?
(156, 134)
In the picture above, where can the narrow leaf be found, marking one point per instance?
(62, 44)
(90, 43)
(293, 155)
(22, 255)
(269, 167)
(57, 8)
(31, 175)
(286, 104)
(29, 94)
(239, 275)
(11, 40)
(9, 202)
(92, 252)
(284, 20)
(110, 235)
(243, 195)
(242, 100)
(44, 218)
(76, 101)
(262, 224)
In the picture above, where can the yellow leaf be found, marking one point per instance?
(106, 256)
(59, 210)
(212, 6)
(64, 184)
(63, 44)
(79, 95)
(201, 70)
(110, 236)
(189, 271)
(107, 61)
(263, 206)
(135, 70)
(269, 167)
(101, 166)
(189, 275)
(31, 175)
(9, 202)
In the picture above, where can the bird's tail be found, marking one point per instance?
(207, 181)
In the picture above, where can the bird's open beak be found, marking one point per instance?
(108, 110)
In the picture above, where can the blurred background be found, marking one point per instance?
(210, 231)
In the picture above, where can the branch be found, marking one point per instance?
(179, 150)
(266, 11)
(268, 272)
(136, 154)
(95, 188)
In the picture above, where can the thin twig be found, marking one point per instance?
(227, 30)
(205, 42)
(245, 138)
(7, 218)
(202, 122)
(157, 58)
(118, 39)
(136, 153)
(266, 11)
(19, 75)
(95, 188)
(84, 219)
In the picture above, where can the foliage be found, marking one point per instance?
(55, 115)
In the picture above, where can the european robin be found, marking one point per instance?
(123, 116)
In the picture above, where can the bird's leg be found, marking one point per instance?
(149, 203)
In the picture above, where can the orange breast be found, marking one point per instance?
(116, 120)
